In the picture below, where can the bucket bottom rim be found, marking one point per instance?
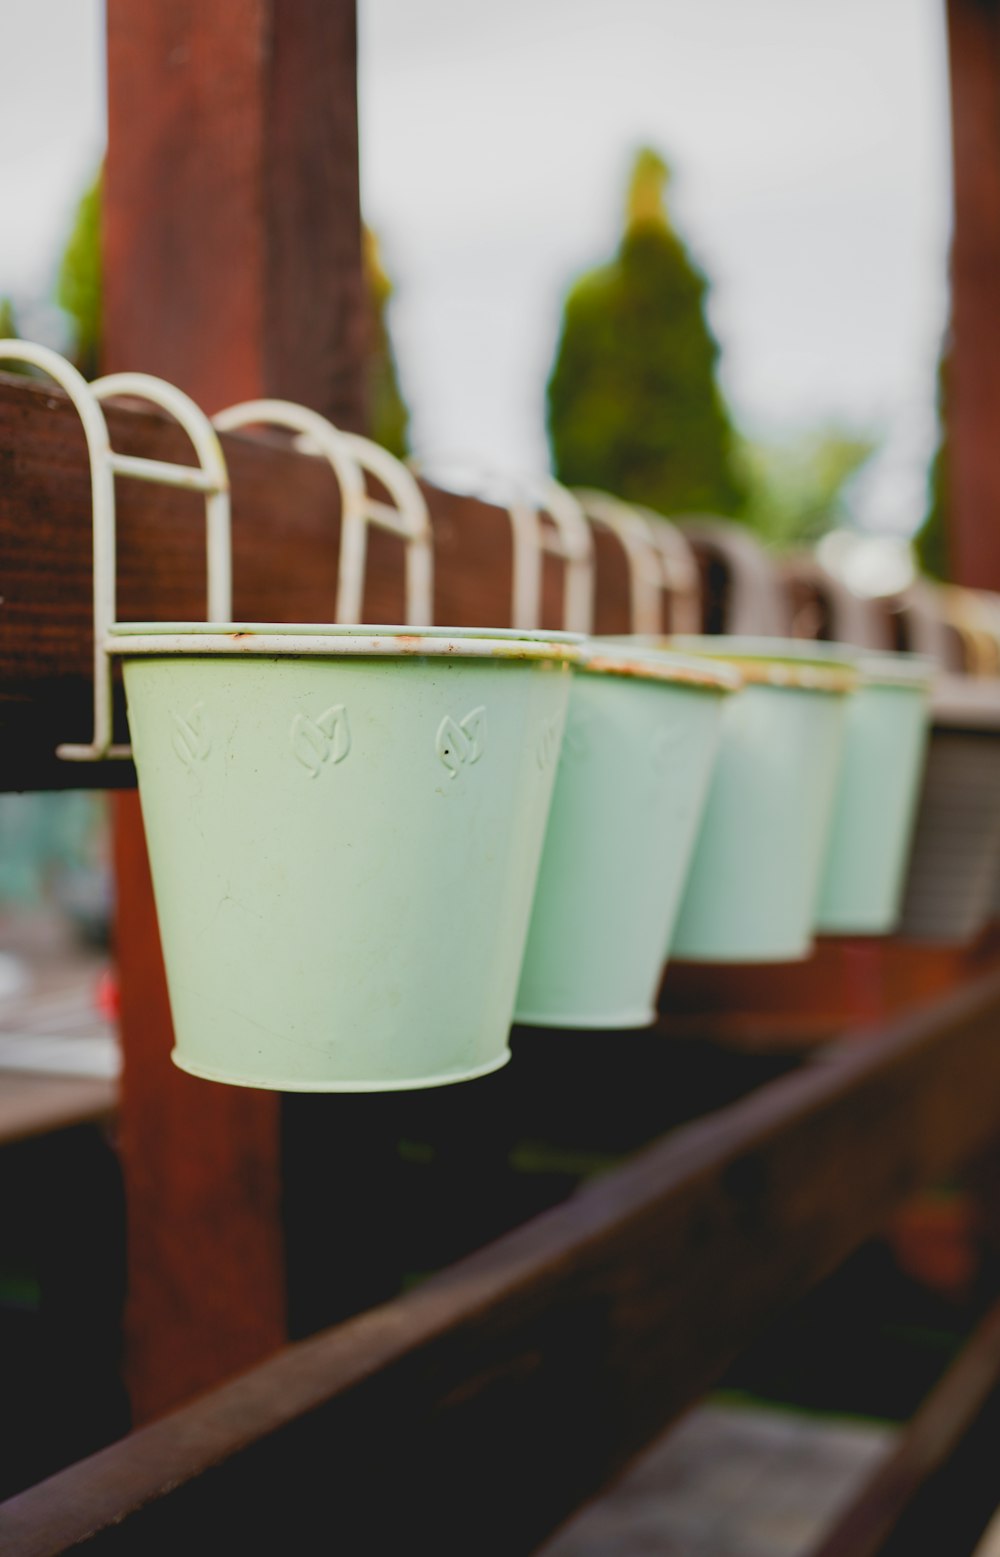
(744, 959)
(834, 926)
(636, 1017)
(258, 1084)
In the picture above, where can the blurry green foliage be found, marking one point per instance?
(931, 540)
(9, 332)
(79, 294)
(78, 291)
(633, 405)
(799, 489)
(389, 418)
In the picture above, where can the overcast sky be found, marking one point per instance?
(810, 143)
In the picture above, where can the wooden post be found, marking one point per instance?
(232, 255)
(974, 369)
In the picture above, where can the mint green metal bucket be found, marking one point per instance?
(875, 808)
(344, 828)
(641, 736)
(757, 867)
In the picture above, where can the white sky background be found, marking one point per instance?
(810, 145)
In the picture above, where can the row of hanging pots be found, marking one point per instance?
(952, 889)
(372, 848)
(953, 885)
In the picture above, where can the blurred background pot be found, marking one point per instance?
(875, 808)
(641, 737)
(951, 889)
(755, 875)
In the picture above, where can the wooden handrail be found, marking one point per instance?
(936, 1489)
(286, 533)
(484, 1406)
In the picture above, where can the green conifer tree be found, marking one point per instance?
(389, 418)
(79, 285)
(9, 332)
(931, 540)
(633, 404)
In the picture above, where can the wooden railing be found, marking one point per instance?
(483, 1407)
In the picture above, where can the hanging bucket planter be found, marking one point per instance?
(877, 792)
(344, 828)
(641, 736)
(757, 866)
(951, 886)
(344, 822)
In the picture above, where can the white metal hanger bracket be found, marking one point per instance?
(209, 477)
(660, 562)
(350, 458)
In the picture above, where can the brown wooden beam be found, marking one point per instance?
(973, 388)
(232, 268)
(482, 1408)
(232, 237)
(937, 1488)
(286, 533)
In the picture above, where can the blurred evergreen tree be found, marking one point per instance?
(78, 291)
(633, 404)
(8, 324)
(931, 540)
(389, 418)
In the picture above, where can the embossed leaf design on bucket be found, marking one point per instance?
(316, 742)
(461, 744)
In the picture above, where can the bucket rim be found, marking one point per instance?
(604, 657)
(764, 662)
(337, 641)
(875, 667)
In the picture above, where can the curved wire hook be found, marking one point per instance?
(406, 515)
(632, 533)
(350, 456)
(681, 574)
(209, 476)
(571, 541)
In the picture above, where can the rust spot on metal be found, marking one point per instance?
(805, 676)
(720, 678)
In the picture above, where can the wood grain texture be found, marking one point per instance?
(286, 534)
(232, 268)
(973, 389)
(936, 1490)
(847, 982)
(232, 226)
(491, 1401)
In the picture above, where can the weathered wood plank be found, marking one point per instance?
(37, 1105)
(484, 1406)
(232, 225)
(232, 268)
(285, 541)
(973, 388)
(936, 1491)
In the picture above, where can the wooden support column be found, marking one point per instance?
(232, 268)
(973, 390)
